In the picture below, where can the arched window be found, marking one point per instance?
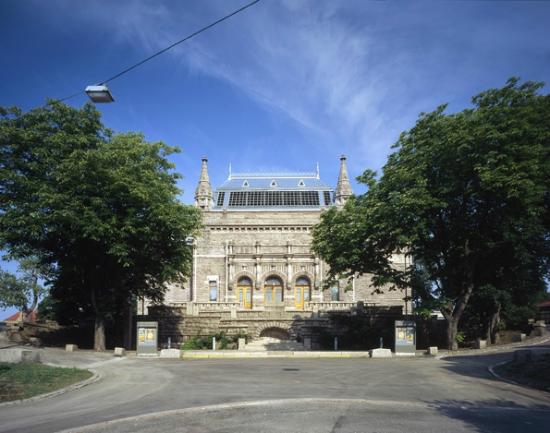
(245, 281)
(273, 291)
(302, 281)
(302, 292)
(244, 292)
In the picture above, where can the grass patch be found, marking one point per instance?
(535, 373)
(18, 381)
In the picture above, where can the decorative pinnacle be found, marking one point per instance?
(203, 193)
(343, 187)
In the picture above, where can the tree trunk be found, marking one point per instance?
(99, 334)
(27, 311)
(128, 326)
(493, 326)
(99, 325)
(452, 330)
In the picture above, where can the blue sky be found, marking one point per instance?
(281, 86)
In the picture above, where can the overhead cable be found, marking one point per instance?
(158, 53)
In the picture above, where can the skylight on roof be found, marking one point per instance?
(245, 184)
(273, 183)
(301, 183)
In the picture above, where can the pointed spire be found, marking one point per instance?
(203, 193)
(343, 188)
(318, 174)
(229, 177)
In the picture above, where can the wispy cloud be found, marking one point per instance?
(299, 59)
(351, 74)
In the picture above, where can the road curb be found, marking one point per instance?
(205, 354)
(95, 377)
(491, 370)
(504, 348)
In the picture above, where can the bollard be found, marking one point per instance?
(381, 342)
(242, 343)
(480, 344)
(213, 343)
(432, 350)
(169, 342)
(335, 344)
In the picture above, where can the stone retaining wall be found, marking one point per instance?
(175, 322)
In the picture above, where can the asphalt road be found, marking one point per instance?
(274, 395)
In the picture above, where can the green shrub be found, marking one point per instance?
(223, 341)
(460, 337)
(197, 343)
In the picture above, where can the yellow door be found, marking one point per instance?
(301, 292)
(299, 297)
(244, 295)
(273, 291)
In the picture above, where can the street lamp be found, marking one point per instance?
(99, 94)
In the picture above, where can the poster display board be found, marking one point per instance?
(147, 338)
(405, 338)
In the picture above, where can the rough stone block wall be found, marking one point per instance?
(179, 326)
(257, 245)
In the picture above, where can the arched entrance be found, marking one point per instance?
(302, 292)
(275, 332)
(244, 292)
(273, 291)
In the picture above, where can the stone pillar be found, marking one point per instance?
(289, 271)
(231, 269)
(258, 272)
(317, 275)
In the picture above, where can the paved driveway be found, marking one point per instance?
(293, 395)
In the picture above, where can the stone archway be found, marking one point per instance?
(275, 332)
(284, 328)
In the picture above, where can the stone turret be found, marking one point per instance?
(203, 193)
(343, 188)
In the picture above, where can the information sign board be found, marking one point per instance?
(147, 338)
(405, 337)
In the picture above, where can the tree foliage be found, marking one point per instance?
(21, 291)
(100, 210)
(466, 195)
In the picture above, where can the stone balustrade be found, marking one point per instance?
(330, 306)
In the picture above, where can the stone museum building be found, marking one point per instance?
(253, 269)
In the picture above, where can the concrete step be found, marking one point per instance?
(265, 344)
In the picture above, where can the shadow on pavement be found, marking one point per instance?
(490, 416)
(477, 365)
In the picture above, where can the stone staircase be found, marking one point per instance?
(264, 344)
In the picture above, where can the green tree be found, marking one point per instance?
(99, 210)
(21, 291)
(465, 194)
